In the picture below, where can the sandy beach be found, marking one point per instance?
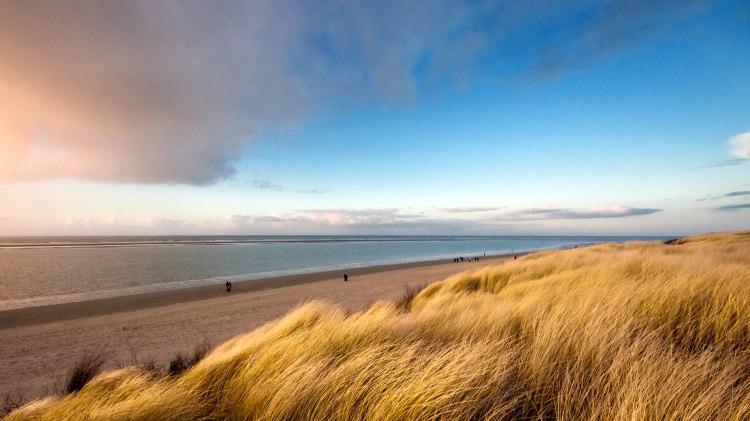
(39, 344)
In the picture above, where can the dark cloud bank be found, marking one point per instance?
(730, 208)
(732, 194)
(565, 213)
(170, 92)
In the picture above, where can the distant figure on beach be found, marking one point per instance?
(515, 257)
(346, 277)
(229, 286)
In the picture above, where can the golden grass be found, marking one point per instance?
(616, 331)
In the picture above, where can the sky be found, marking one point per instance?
(584, 117)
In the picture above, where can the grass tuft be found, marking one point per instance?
(10, 402)
(407, 297)
(178, 364)
(181, 362)
(83, 371)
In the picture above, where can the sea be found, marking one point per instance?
(37, 271)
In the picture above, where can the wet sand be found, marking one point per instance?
(40, 343)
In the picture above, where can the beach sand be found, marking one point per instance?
(39, 344)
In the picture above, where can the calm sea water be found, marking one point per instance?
(37, 271)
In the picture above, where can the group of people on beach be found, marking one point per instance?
(461, 259)
(476, 259)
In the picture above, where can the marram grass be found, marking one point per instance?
(616, 331)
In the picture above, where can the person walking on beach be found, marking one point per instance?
(346, 277)
(229, 286)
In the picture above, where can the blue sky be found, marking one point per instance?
(614, 117)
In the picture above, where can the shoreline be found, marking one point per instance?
(35, 315)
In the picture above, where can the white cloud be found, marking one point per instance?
(342, 221)
(739, 145)
(265, 185)
(164, 224)
(313, 191)
(83, 223)
(351, 216)
(470, 209)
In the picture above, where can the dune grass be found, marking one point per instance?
(630, 331)
(83, 371)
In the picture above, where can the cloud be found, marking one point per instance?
(608, 28)
(83, 223)
(565, 213)
(397, 221)
(342, 221)
(394, 221)
(470, 209)
(727, 163)
(325, 217)
(98, 225)
(172, 92)
(139, 226)
(711, 197)
(244, 221)
(164, 224)
(739, 146)
(313, 191)
(265, 185)
(353, 216)
(708, 197)
(731, 208)
(732, 194)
